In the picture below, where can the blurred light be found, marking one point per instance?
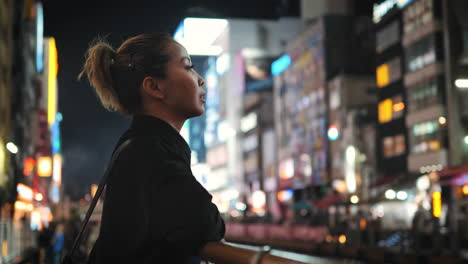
(339, 186)
(59, 117)
(465, 189)
(285, 195)
(281, 64)
(329, 238)
(39, 197)
(258, 199)
(350, 168)
(56, 193)
(249, 122)
(333, 132)
(225, 131)
(5, 248)
(39, 37)
(94, 188)
(423, 183)
(354, 199)
(342, 239)
(402, 195)
(380, 211)
(44, 166)
(398, 107)
(35, 220)
(222, 63)
(28, 166)
(383, 7)
(198, 35)
(286, 169)
(57, 169)
(466, 140)
(390, 194)
(19, 205)
(442, 120)
(230, 194)
(55, 134)
(241, 206)
(461, 83)
(383, 75)
(436, 204)
(52, 81)
(12, 147)
(234, 213)
(385, 110)
(362, 223)
(24, 191)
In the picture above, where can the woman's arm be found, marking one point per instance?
(185, 216)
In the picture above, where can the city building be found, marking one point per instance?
(323, 96)
(231, 45)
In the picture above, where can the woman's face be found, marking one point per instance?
(184, 93)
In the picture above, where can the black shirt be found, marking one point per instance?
(155, 211)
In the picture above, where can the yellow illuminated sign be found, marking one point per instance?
(383, 75)
(436, 204)
(52, 82)
(44, 166)
(385, 110)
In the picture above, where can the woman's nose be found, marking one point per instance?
(201, 82)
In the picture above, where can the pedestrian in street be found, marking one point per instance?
(59, 239)
(155, 211)
(45, 244)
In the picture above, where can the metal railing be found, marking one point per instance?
(221, 253)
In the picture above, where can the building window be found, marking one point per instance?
(391, 108)
(394, 146)
(388, 36)
(424, 95)
(417, 15)
(389, 72)
(420, 54)
(426, 137)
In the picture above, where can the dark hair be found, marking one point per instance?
(117, 75)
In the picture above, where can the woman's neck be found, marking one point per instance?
(169, 118)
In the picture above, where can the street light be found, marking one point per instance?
(461, 83)
(12, 147)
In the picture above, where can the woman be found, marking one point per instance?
(154, 209)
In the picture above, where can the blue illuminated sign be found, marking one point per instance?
(279, 65)
(55, 133)
(39, 38)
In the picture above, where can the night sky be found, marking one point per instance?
(89, 132)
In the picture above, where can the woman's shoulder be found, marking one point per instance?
(145, 147)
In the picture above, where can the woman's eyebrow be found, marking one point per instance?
(186, 58)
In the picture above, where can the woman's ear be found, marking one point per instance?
(151, 87)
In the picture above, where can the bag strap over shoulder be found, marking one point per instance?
(67, 258)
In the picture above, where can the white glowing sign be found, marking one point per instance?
(381, 9)
(249, 122)
(198, 35)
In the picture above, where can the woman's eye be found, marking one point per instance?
(190, 67)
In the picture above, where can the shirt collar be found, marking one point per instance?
(156, 128)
